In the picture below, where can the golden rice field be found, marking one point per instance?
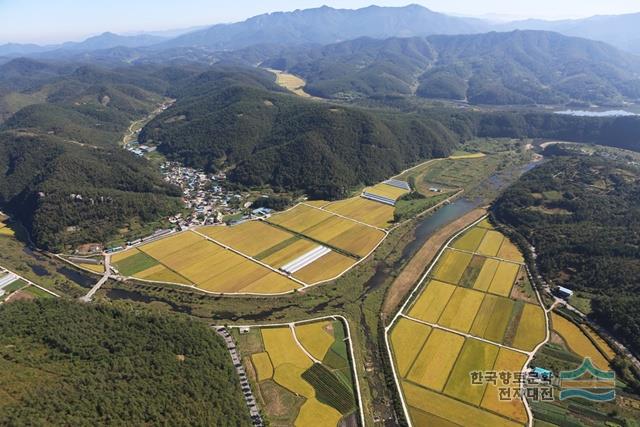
(507, 361)
(577, 341)
(504, 278)
(281, 359)
(432, 301)
(450, 410)
(491, 243)
(300, 218)
(188, 258)
(451, 266)
(363, 210)
(602, 345)
(291, 82)
(461, 309)
(250, 237)
(407, 339)
(327, 267)
(386, 190)
(472, 298)
(531, 329)
(96, 268)
(436, 360)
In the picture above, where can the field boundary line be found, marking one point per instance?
(384, 230)
(354, 370)
(404, 306)
(486, 256)
(237, 252)
(464, 334)
(292, 327)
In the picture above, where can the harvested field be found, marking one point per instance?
(461, 309)
(507, 361)
(483, 282)
(493, 318)
(472, 272)
(316, 337)
(470, 240)
(510, 251)
(474, 356)
(300, 218)
(325, 268)
(367, 211)
(504, 278)
(262, 363)
(407, 339)
(451, 266)
(577, 341)
(531, 329)
(438, 356)
(250, 238)
(432, 301)
(491, 243)
(385, 190)
(450, 409)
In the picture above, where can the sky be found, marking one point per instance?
(53, 21)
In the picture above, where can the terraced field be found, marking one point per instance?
(306, 364)
(467, 317)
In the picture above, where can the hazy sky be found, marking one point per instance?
(42, 21)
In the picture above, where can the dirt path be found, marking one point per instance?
(411, 274)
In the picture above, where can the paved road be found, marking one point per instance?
(107, 274)
(256, 419)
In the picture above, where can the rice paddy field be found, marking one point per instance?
(385, 190)
(302, 373)
(466, 318)
(580, 343)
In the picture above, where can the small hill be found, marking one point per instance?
(66, 363)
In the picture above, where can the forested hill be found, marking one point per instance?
(62, 172)
(583, 217)
(65, 363)
(516, 68)
(239, 118)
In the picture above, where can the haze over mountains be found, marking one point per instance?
(327, 25)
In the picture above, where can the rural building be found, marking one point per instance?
(564, 292)
(541, 373)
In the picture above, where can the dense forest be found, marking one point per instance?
(515, 68)
(238, 117)
(582, 215)
(64, 363)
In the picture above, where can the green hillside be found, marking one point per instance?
(64, 363)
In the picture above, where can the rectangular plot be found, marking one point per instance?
(503, 279)
(490, 243)
(327, 267)
(358, 240)
(251, 237)
(367, 211)
(330, 228)
(461, 309)
(289, 253)
(450, 409)
(474, 356)
(169, 245)
(471, 273)
(436, 359)
(300, 218)
(432, 301)
(407, 339)
(136, 263)
(451, 266)
(531, 328)
(164, 275)
(486, 274)
(470, 240)
(510, 251)
(493, 318)
(236, 277)
(507, 361)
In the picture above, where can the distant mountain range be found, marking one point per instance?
(326, 25)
